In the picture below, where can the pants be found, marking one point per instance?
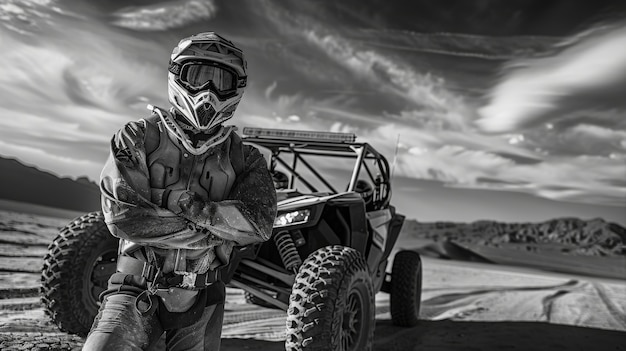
(120, 327)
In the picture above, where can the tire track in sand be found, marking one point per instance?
(463, 304)
(611, 306)
(548, 303)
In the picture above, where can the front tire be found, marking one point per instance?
(76, 270)
(406, 288)
(331, 306)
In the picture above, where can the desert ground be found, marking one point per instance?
(465, 305)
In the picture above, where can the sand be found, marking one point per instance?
(465, 306)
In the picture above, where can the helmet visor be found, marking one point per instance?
(197, 75)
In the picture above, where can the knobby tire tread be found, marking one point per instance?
(61, 286)
(406, 286)
(323, 277)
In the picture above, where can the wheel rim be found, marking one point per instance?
(97, 277)
(353, 321)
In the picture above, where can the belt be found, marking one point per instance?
(131, 265)
(190, 280)
(186, 280)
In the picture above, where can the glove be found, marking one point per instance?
(192, 205)
(178, 201)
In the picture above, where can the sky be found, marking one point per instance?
(506, 110)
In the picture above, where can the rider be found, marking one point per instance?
(181, 191)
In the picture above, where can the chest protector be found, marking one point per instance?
(211, 175)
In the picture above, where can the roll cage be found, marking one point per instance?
(293, 151)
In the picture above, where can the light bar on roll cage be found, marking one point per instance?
(288, 134)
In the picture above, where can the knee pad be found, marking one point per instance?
(119, 326)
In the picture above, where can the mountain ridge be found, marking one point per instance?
(572, 235)
(567, 235)
(45, 188)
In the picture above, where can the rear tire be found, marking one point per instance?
(406, 288)
(331, 306)
(76, 270)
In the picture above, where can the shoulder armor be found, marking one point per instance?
(236, 153)
(153, 135)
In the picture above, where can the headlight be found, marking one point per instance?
(291, 218)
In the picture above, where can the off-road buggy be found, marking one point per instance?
(325, 262)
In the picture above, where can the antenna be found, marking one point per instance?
(395, 157)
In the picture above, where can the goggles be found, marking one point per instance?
(201, 75)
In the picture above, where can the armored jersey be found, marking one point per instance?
(159, 195)
(210, 175)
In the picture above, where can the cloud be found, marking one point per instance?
(490, 162)
(585, 139)
(428, 133)
(576, 93)
(584, 179)
(599, 133)
(68, 97)
(33, 126)
(391, 75)
(451, 164)
(348, 64)
(457, 44)
(270, 89)
(87, 70)
(588, 71)
(167, 15)
(27, 17)
(345, 115)
(575, 179)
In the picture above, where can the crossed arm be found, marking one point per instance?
(136, 212)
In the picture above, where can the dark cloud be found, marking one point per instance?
(579, 139)
(495, 181)
(164, 16)
(483, 17)
(519, 159)
(75, 90)
(586, 73)
(621, 183)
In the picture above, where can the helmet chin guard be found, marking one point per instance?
(219, 136)
(203, 110)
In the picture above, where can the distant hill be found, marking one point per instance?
(22, 183)
(595, 237)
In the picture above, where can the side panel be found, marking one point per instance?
(379, 220)
(379, 223)
(395, 225)
(358, 221)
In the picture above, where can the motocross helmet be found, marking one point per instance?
(207, 77)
